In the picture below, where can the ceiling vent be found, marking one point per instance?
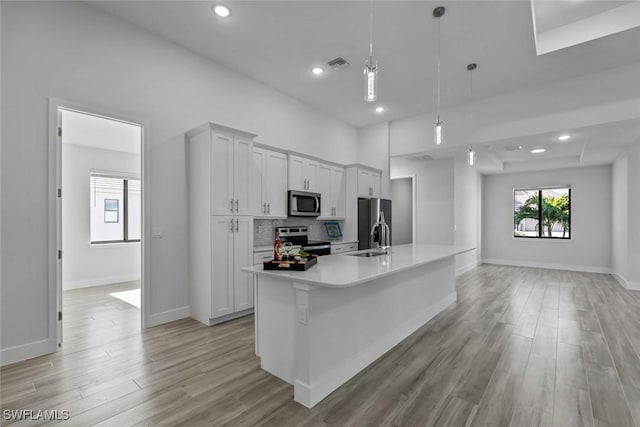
(338, 63)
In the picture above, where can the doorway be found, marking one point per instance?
(99, 216)
(403, 220)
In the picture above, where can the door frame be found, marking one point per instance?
(414, 200)
(55, 210)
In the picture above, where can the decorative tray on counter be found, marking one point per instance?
(301, 265)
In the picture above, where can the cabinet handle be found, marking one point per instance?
(237, 206)
(232, 225)
(268, 208)
(264, 208)
(237, 225)
(231, 205)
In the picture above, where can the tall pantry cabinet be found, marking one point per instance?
(220, 222)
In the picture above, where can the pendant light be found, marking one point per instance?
(370, 66)
(438, 12)
(472, 152)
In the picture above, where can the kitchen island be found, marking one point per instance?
(316, 329)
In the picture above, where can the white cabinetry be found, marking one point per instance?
(231, 160)
(368, 183)
(232, 249)
(269, 187)
(332, 186)
(339, 248)
(303, 173)
(220, 163)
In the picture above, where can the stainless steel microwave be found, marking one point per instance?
(302, 203)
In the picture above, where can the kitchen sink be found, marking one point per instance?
(370, 254)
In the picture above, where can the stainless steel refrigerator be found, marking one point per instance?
(368, 214)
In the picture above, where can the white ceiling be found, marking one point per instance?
(278, 42)
(553, 14)
(99, 132)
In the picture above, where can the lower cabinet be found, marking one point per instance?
(229, 291)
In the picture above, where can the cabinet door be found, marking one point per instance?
(339, 192)
(297, 180)
(222, 255)
(364, 183)
(258, 183)
(375, 184)
(221, 174)
(324, 187)
(276, 184)
(242, 175)
(242, 257)
(311, 171)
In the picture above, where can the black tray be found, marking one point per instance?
(290, 265)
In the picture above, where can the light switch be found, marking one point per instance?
(302, 315)
(156, 233)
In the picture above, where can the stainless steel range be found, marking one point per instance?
(299, 237)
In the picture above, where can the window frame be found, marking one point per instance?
(540, 230)
(125, 207)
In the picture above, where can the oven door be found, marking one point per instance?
(304, 204)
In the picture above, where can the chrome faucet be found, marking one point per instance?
(384, 242)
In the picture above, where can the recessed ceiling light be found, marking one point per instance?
(379, 109)
(538, 150)
(564, 137)
(519, 147)
(317, 70)
(222, 11)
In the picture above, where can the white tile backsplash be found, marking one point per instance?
(264, 230)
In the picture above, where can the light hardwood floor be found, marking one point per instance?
(520, 347)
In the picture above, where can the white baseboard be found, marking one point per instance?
(550, 266)
(620, 279)
(308, 395)
(168, 316)
(467, 267)
(26, 351)
(633, 286)
(99, 281)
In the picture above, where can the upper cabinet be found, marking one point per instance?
(222, 162)
(368, 182)
(303, 174)
(269, 186)
(333, 190)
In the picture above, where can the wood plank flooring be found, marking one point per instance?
(520, 347)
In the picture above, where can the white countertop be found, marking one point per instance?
(340, 271)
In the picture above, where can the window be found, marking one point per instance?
(115, 209)
(111, 210)
(542, 213)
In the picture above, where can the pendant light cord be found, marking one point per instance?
(371, 32)
(439, 69)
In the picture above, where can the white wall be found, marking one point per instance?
(435, 191)
(373, 150)
(80, 54)
(619, 206)
(448, 194)
(633, 230)
(85, 265)
(467, 184)
(590, 246)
